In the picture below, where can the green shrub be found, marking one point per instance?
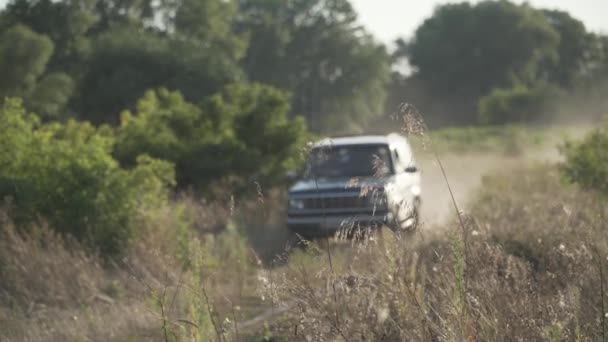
(241, 133)
(65, 174)
(516, 105)
(587, 161)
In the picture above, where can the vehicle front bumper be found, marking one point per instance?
(329, 225)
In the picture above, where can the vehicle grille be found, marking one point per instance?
(335, 202)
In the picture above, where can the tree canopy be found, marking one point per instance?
(464, 53)
(239, 133)
(92, 59)
(316, 49)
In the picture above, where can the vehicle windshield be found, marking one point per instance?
(349, 161)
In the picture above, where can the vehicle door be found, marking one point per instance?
(406, 182)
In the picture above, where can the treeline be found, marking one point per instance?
(91, 59)
(497, 62)
(490, 62)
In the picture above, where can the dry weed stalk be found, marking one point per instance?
(414, 125)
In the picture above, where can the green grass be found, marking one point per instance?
(507, 139)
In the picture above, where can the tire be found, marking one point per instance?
(398, 226)
(416, 214)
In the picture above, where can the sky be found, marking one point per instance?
(391, 19)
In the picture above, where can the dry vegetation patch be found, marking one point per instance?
(530, 268)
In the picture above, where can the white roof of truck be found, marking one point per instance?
(388, 139)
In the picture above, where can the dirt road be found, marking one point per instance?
(464, 172)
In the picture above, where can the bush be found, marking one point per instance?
(515, 105)
(238, 134)
(65, 174)
(587, 162)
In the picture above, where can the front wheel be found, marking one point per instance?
(410, 222)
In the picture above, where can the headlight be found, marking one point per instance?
(296, 204)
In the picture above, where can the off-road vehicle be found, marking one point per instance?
(353, 184)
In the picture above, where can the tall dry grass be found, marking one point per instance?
(533, 270)
(185, 278)
(526, 263)
(51, 289)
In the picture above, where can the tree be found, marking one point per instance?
(464, 51)
(126, 63)
(23, 58)
(479, 47)
(65, 22)
(256, 117)
(316, 49)
(65, 175)
(239, 133)
(573, 50)
(211, 22)
(114, 14)
(51, 95)
(597, 67)
(194, 51)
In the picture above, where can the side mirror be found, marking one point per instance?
(411, 169)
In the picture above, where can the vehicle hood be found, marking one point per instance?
(334, 184)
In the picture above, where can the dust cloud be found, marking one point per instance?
(465, 172)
